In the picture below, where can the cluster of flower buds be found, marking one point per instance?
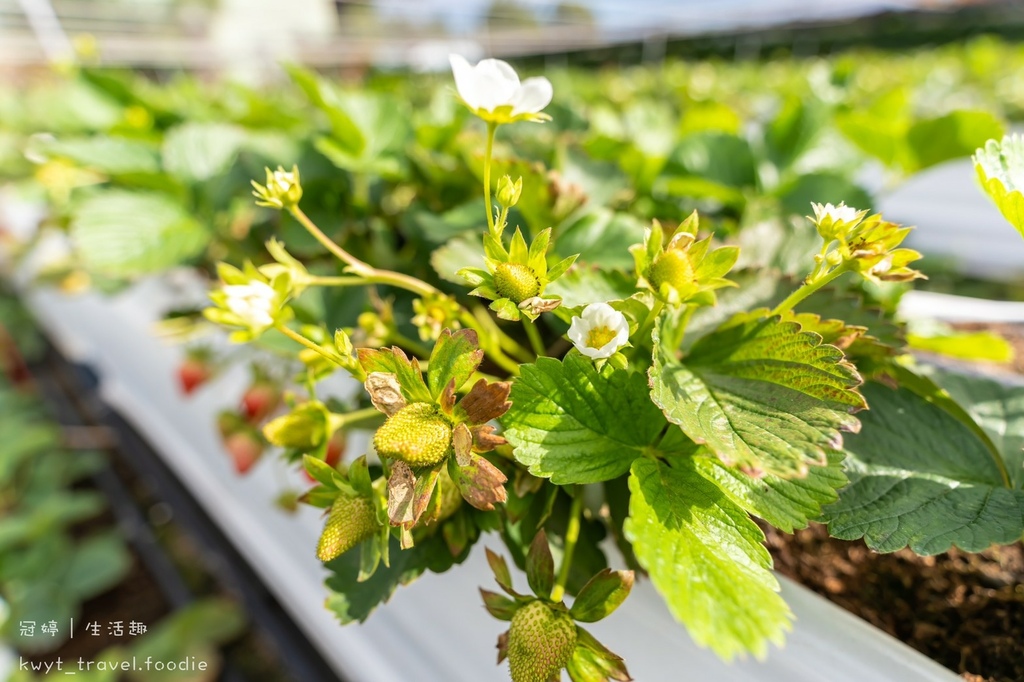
(283, 189)
(867, 244)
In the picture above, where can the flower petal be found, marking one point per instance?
(465, 79)
(494, 83)
(532, 96)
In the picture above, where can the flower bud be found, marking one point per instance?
(283, 189)
(509, 191)
(834, 222)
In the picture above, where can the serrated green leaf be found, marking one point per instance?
(573, 424)
(920, 478)
(1000, 167)
(705, 556)
(196, 152)
(455, 358)
(759, 393)
(126, 234)
(787, 504)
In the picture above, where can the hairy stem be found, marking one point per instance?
(809, 288)
(342, 281)
(572, 534)
(491, 128)
(358, 417)
(299, 338)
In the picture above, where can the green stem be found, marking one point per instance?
(342, 281)
(364, 270)
(533, 334)
(491, 128)
(809, 288)
(415, 346)
(358, 266)
(486, 328)
(572, 534)
(299, 338)
(367, 414)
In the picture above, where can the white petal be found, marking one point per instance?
(494, 83)
(465, 79)
(532, 96)
(592, 353)
(578, 332)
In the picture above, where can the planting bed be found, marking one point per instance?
(963, 610)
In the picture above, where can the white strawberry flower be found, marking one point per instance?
(254, 303)
(599, 332)
(492, 91)
(835, 221)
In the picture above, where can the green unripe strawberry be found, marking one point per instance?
(516, 282)
(673, 267)
(417, 434)
(541, 642)
(352, 520)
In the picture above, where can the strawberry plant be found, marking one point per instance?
(661, 390)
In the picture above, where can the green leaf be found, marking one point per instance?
(759, 393)
(540, 566)
(957, 134)
(601, 237)
(584, 285)
(196, 152)
(573, 424)
(796, 197)
(395, 361)
(787, 504)
(455, 358)
(97, 564)
(920, 478)
(345, 131)
(602, 595)
(724, 159)
(112, 155)
(705, 556)
(458, 253)
(998, 408)
(1000, 167)
(351, 600)
(126, 234)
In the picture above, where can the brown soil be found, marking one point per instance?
(965, 611)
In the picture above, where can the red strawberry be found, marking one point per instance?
(259, 400)
(245, 449)
(193, 373)
(335, 448)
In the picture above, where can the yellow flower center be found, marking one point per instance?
(598, 337)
